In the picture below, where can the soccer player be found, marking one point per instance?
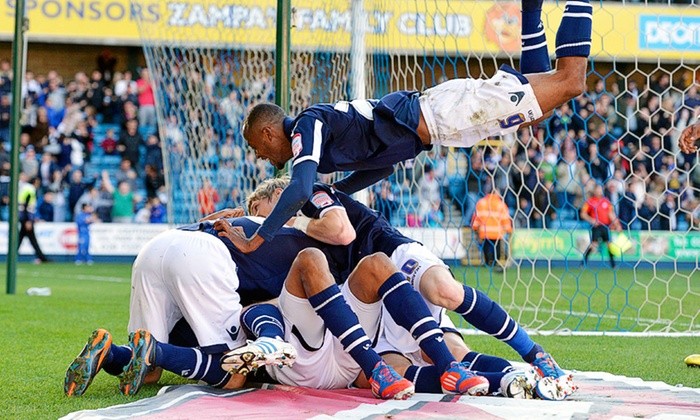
(313, 310)
(600, 213)
(370, 136)
(195, 274)
(329, 215)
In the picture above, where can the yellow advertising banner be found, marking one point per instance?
(433, 27)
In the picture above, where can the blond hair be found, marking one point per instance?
(265, 190)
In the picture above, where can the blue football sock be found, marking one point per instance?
(342, 322)
(407, 307)
(489, 317)
(574, 34)
(425, 379)
(192, 363)
(117, 359)
(487, 363)
(532, 354)
(535, 56)
(264, 320)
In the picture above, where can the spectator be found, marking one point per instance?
(58, 187)
(571, 174)
(207, 197)
(154, 153)
(158, 211)
(627, 209)
(385, 199)
(129, 143)
(649, 214)
(90, 197)
(124, 200)
(668, 212)
(53, 114)
(491, 220)
(147, 104)
(599, 212)
(103, 204)
(109, 143)
(545, 205)
(45, 211)
(5, 111)
(39, 132)
(154, 182)
(143, 215)
(126, 173)
(76, 189)
(29, 163)
(434, 217)
(84, 219)
(5, 77)
(429, 190)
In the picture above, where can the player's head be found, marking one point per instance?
(261, 201)
(263, 129)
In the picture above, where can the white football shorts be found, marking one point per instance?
(321, 361)
(413, 259)
(187, 274)
(462, 112)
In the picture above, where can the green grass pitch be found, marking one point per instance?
(41, 335)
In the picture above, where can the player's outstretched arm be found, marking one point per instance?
(359, 180)
(689, 137)
(292, 198)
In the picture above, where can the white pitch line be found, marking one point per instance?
(594, 315)
(76, 277)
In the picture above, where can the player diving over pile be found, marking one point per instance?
(370, 136)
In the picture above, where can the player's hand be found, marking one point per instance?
(688, 137)
(237, 236)
(225, 213)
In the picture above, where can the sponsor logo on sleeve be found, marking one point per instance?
(296, 144)
(321, 200)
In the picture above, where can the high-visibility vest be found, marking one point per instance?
(491, 218)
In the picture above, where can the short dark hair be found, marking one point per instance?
(264, 113)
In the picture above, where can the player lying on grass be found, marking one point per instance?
(375, 284)
(334, 217)
(192, 273)
(370, 136)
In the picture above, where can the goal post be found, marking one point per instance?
(213, 59)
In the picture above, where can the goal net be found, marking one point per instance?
(212, 60)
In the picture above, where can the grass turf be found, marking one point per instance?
(40, 336)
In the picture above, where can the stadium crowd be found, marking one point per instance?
(94, 139)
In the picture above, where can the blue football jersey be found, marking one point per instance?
(373, 232)
(357, 135)
(261, 273)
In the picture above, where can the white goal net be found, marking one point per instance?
(213, 59)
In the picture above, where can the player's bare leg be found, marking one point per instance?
(310, 278)
(565, 83)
